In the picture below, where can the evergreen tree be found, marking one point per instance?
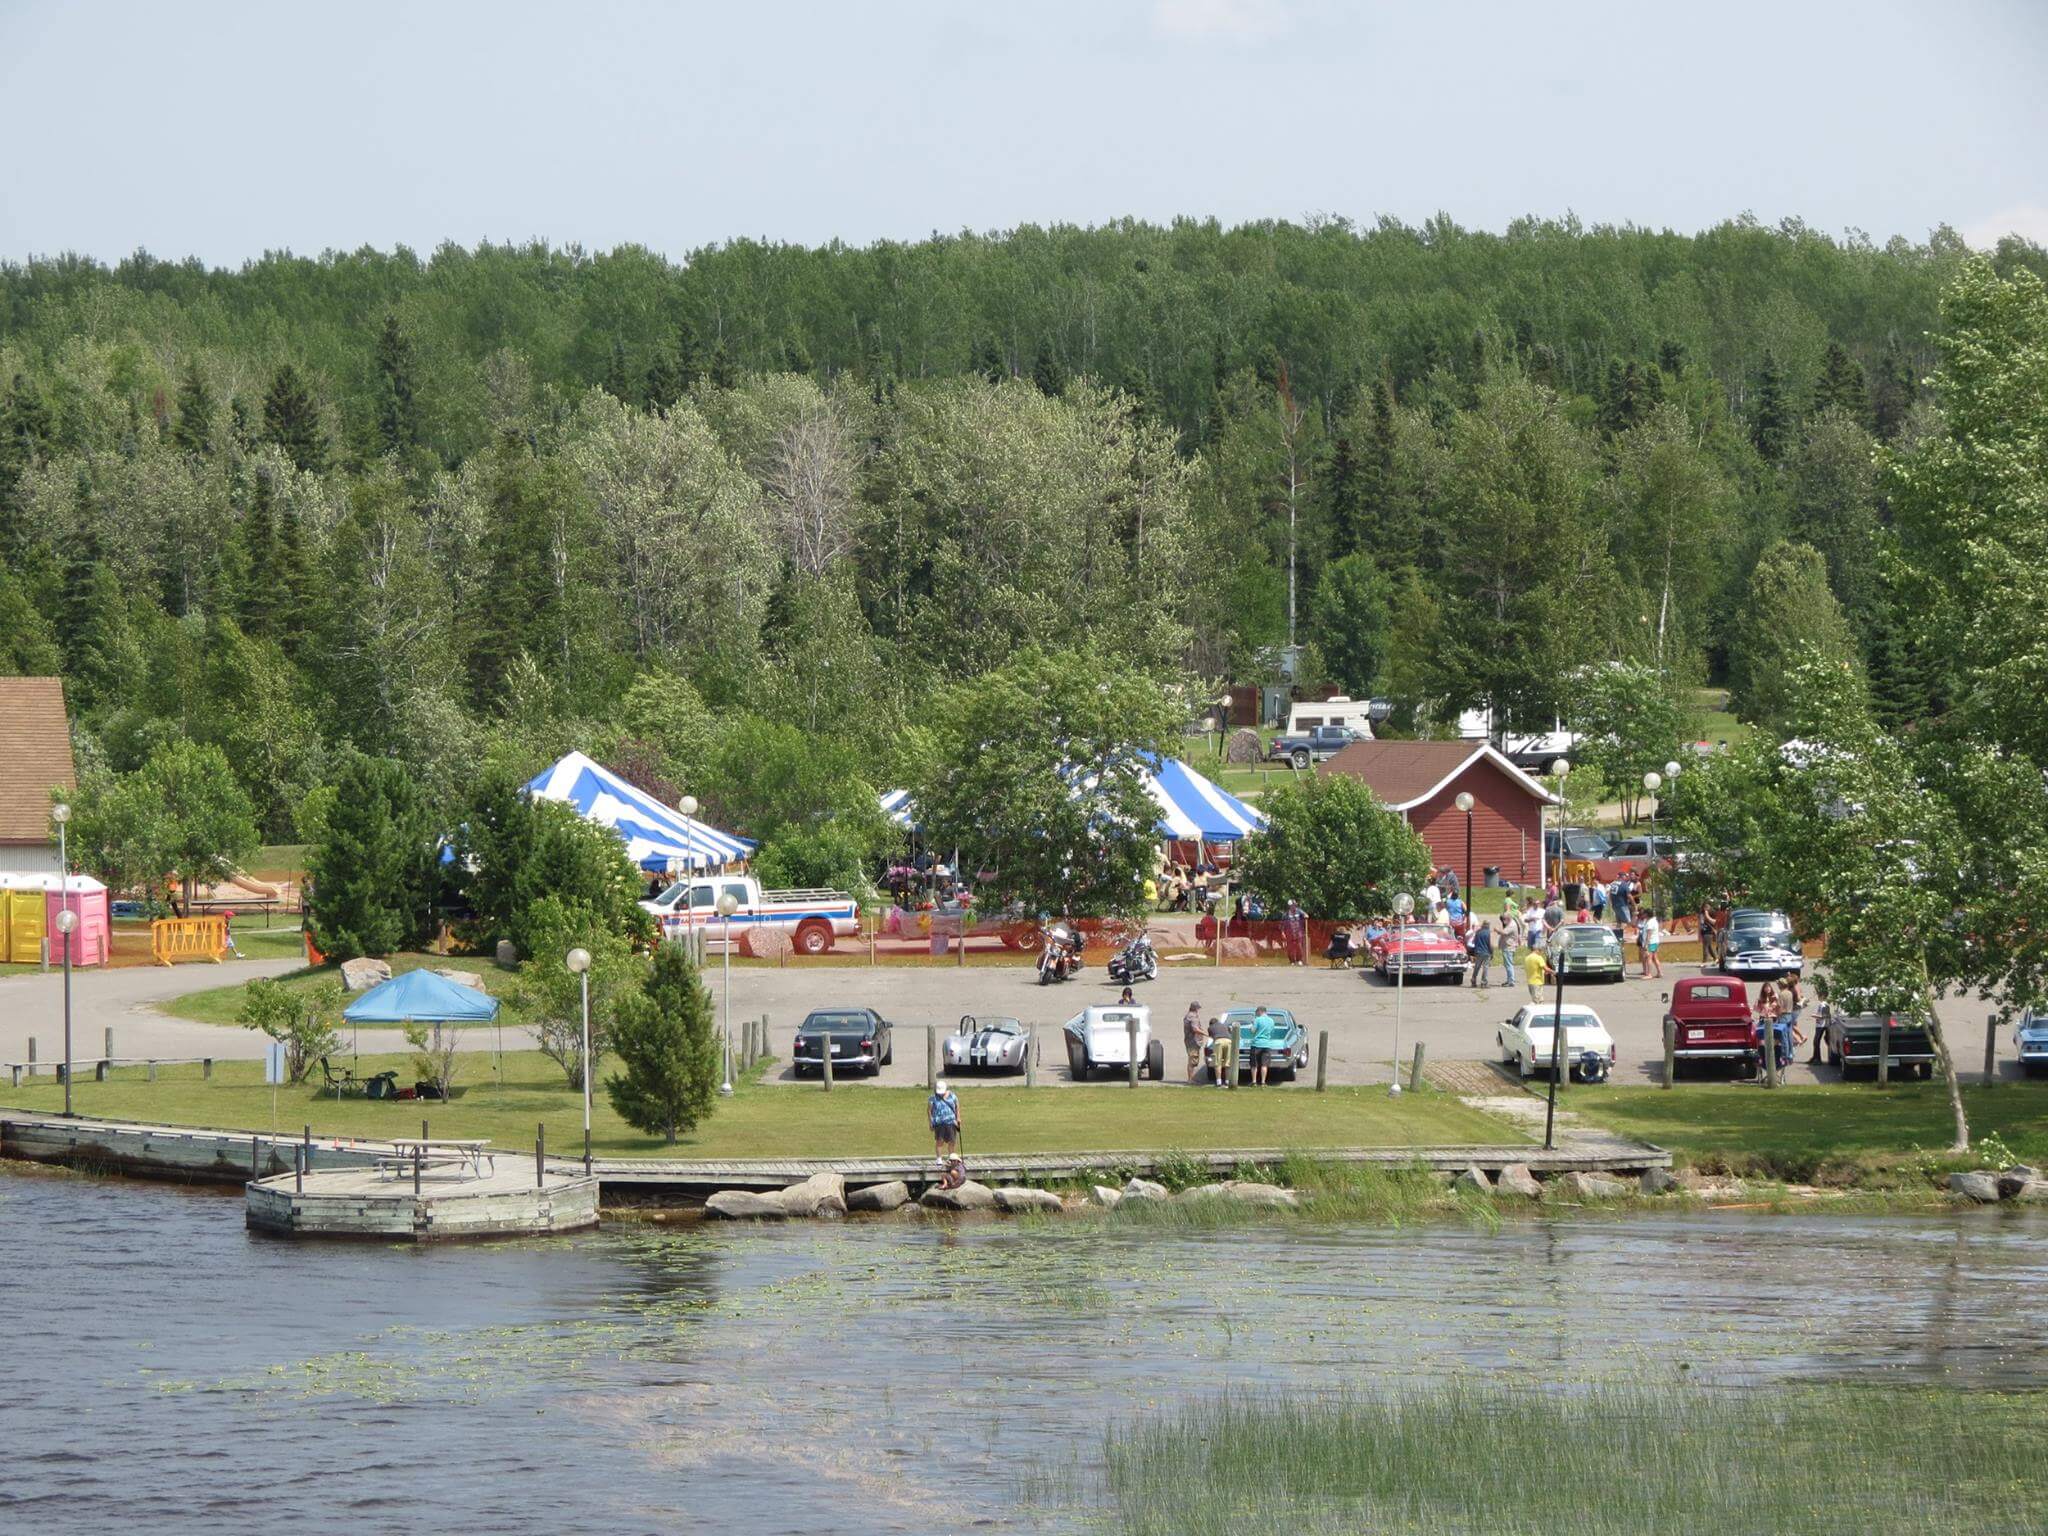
(398, 426)
(1898, 682)
(664, 384)
(1047, 373)
(1613, 413)
(291, 420)
(1344, 488)
(28, 646)
(515, 599)
(664, 1040)
(722, 373)
(24, 433)
(240, 431)
(689, 359)
(796, 357)
(193, 430)
(1770, 418)
(1792, 618)
(1671, 359)
(258, 533)
(988, 362)
(615, 383)
(375, 869)
(291, 585)
(1384, 529)
(1840, 386)
(1892, 398)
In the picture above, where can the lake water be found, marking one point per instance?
(165, 1369)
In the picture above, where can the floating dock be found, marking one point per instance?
(510, 1200)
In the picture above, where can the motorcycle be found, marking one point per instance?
(1136, 961)
(1061, 957)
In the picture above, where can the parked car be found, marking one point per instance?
(1639, 853)
(814, 918)
(1281, 1035)
(1576, 843)
(1419, 949)
(1591, 953)
(1711, 1020)
(1760, 946)
(998, 1044)
(1101, 1037)
(858, 1039)
(1312, 746)
(1524, 1041)
(2030, 1042)
(1853, 1028)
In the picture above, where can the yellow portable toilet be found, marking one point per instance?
(26, 910)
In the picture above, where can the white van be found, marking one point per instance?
(1306, 714)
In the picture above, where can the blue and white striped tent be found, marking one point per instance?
(1191, 808)
(656, 835)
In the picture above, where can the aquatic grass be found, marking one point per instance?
(1468, 1457)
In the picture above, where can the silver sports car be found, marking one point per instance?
(999, 1044)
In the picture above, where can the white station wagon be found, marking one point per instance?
(1524, 1041)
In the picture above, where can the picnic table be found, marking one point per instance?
(421, 1153)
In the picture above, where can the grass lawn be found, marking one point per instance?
(223, 1005)
(764, 1120)
(1822, 1133)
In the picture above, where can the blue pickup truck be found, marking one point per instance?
(1312, 746)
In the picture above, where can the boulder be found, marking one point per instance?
(1106, 1197)
(968, 1197)
(1241, 746)
(359, 975)
(744, 1205)
(1981, 1187)
(1658, 1181)
(1244, 1192)
(461, 978)
(822, 1194)
(879, 1197)
(1516, 1179)
(1473, 1179)
(2012, 1180)
(766, 942)
(1240, 949)
(1015, 1197)
(2033, 1192)
(1144, 1189)
(1590, 1186)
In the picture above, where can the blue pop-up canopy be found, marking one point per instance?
(422, 997)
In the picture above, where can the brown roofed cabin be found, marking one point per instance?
(35, 757)
(1423, 779)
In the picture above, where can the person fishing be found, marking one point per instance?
(943, 1111)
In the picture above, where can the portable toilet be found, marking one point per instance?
(27, 906)
(92, 940)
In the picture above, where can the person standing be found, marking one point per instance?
(1223, 1052)
(1195, 1038)
(1509, 941)
(943, 1111)
(1294, 929)
(1262, 1050)
(1599, 901)
(1648, 935)
(1535, 970)
(1454, 911)
(1482, 954)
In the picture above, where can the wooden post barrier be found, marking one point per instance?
(101, 1069)
(1322, 1059)
(150, 1068)
(1670, 1050)
(307, 1143)
(1131, 1032)
(825, 1059)
(1884, 1051)
(931, 1056)
(1990, 1049)
(1031, 1064)
(540, 1155)
(110, 1043)
(1415, 1072)
(31, 1055)
(206, 1069)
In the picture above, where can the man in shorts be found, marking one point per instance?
(943, 1110)
(1195, 1038)
(1535, 970)
(1223, 1052)
(1262, 1052)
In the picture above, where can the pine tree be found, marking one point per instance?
(1898, 683)
(397, 409)
(515, 599)
(193, 430)
(1612, 416)
(1770, 418)
(28, 646)
(292, 421)
(1671, 358)
(291, 586)
(664, 384)
(723, 374)
(988, 362)
(24, 436)
(1381, 529)
(1047, 373)
(796, 357)
(374, 871)
(258, 608)
(1840, 387)
(663, 1039)
(689, 359)
(615, 383)
(1892, 398)
(1344, 486)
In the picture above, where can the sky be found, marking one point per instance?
(227, 130)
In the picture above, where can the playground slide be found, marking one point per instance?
(255, 887)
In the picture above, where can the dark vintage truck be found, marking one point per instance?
(1312, 746)
(1852, 1031)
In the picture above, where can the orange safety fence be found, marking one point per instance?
(172, 939)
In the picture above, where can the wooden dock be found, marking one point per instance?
(451, 1204)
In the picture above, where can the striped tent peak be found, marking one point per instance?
(654, 833)
(1191, 808)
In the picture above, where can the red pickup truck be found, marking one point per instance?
(1710, 1020)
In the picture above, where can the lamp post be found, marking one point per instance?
(1558, 769)
(1403, 905)
(1464, 803)
(67, 920)
(578, 960)
(688, 806)
(727, 905)
(1553, 917)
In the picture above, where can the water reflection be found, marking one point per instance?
(862, 1377)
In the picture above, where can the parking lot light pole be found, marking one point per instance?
(727, 905)
(1464, 802)
(1403, 905)
(578, 960)
(1553, 917)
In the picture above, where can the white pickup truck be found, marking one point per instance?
(812, 918)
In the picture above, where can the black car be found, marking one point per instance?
(859, 1039)
(1854, 1030)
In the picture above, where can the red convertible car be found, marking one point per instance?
(1420, 950)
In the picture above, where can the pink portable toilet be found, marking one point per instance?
(92, 940)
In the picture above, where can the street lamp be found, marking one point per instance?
(67, 921)
(727, 905)
(1553, 917)
(1652, 782)
(1403, 905)
(688, 806)
(1558, 769)
(1464, 803)
(578, 961)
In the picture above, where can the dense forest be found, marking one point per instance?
(728, 521)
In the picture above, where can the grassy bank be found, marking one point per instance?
(764, 1120)
(1465, 1457)
(1840, 1134)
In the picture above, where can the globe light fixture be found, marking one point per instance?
(687, 805)
(60, 813)
(67, 922)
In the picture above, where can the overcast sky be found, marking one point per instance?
(224, 130)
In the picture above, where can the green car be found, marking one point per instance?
(1282, 1038)
(1591, 953)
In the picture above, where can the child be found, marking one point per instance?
(1535, 970)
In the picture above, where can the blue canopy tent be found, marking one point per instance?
(658, 838)
(1192, 809)
(423, 997)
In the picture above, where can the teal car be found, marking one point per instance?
(1281, 1037)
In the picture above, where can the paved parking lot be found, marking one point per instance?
(1455, 1023)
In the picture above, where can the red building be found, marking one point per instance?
(1423, 779)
